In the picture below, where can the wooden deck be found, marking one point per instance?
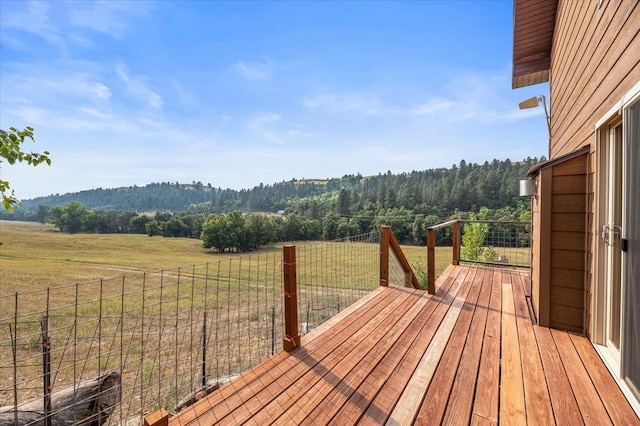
(468, 354)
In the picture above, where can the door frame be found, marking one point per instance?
(598, 303)
(602, 292)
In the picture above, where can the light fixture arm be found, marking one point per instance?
(546, 114)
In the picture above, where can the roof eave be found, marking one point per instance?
(533, 28)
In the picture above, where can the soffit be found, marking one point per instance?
(533, 26)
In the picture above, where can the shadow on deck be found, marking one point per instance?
(468, 354)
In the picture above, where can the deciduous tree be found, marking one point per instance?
(11, 152)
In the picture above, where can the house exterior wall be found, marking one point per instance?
(560, 236)
(568, 244)
(595, 60)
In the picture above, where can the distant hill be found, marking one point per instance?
(165, 196)
(465, 186)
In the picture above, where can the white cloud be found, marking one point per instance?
(253, 71)
(261, 126)
(432, 106)
(137, 86)
(348, 102)
(35, 20)
(69, 23)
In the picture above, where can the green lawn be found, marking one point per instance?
(35, 256)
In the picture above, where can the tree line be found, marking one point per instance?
(306, 210)
(242, 232)
(464, 186)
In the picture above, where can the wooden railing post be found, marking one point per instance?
(291, 338)
(456, 243)
(431, 261)
(384, 255)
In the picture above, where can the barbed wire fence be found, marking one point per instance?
(172, 335)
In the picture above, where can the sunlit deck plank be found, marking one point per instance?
(485, 405)
(609, 392)
(408, 405)
(537, 399)
(361, 399)
(384, 402)
(461, 400)
(299, 382)
(341, 386)
(589, 403)
(512, 405)
(437, 396)
(316, 404)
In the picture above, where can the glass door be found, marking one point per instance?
(611, 236)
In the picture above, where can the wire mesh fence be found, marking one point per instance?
(496, 243)
(171, 335)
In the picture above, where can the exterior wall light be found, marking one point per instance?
(528, 188)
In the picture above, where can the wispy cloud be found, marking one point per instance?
(347, 102)
(107, 17)
(35, 20)
(69, 23)
(431, 107)
(476, 97)
(253, 71)
(261, 126)
(137, 86)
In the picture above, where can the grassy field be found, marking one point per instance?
(149, 326)
(35, 256)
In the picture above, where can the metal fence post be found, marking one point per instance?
(46, 367)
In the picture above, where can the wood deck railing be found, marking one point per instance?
(388, 244)
(456, 247)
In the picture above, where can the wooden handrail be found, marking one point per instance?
(388, 239)
(443, 225)
(431, 250)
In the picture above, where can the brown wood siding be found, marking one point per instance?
(560, 243)
(568, 242)
(594, 62)
(589, 76)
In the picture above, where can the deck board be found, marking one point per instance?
(437, 396)
(512, 405)
(354, 408)
(460, 402)
(409, 403)
(468, 354)
(380, 408)
(591, 407)
(537, 399)
(485, 405)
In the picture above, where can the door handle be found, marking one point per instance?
(611, 234)
(605, 234)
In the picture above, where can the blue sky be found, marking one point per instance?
(241, 93)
